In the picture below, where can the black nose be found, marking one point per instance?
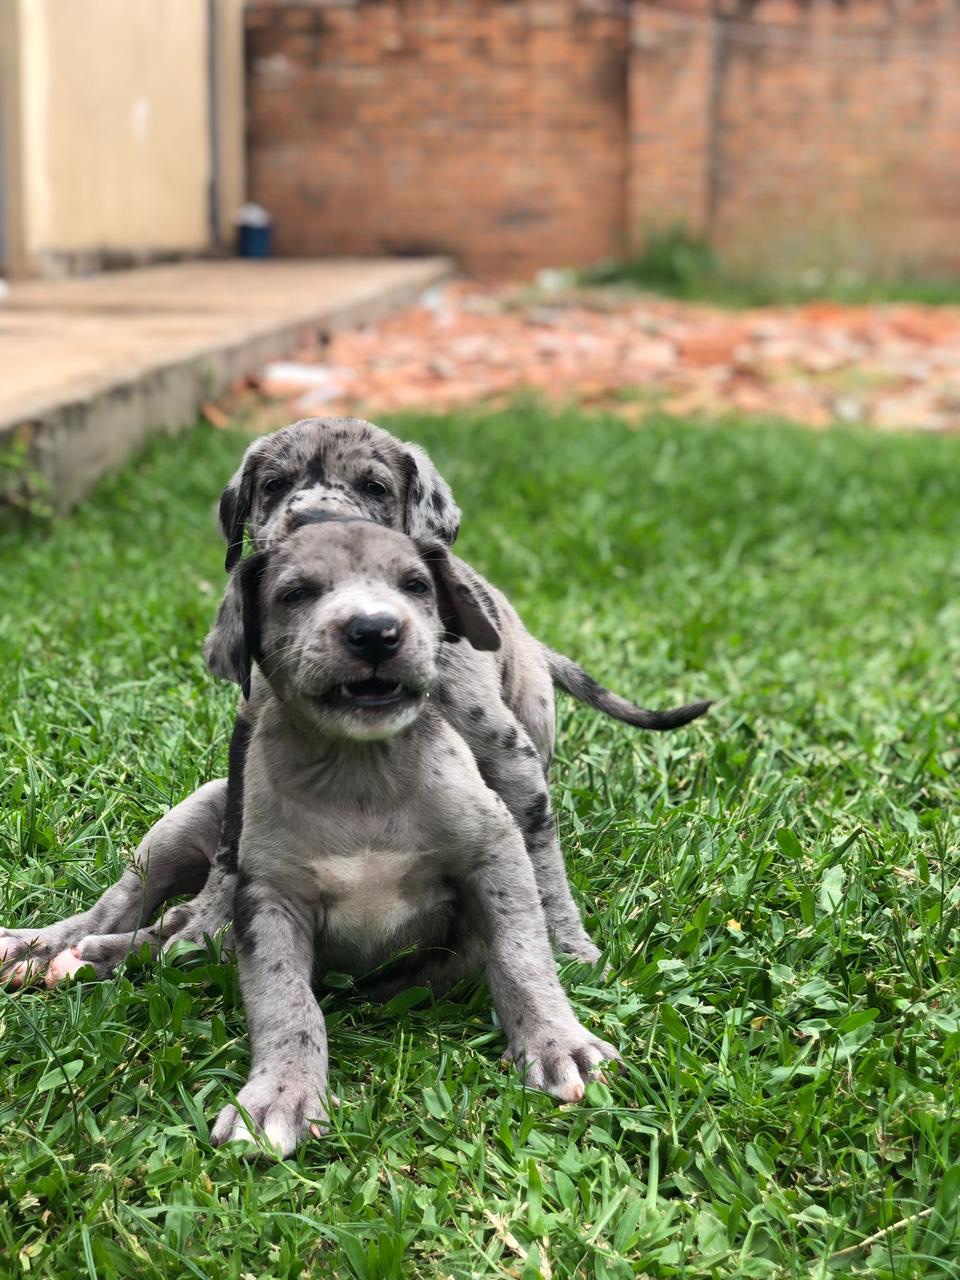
(374, 637)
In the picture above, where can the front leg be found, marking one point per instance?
(544, 1038)
(285, 1096)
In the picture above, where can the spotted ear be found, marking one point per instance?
(237, 499)
(465, 608)
(429, 508)
(233, 644)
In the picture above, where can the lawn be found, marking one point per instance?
(777, 887)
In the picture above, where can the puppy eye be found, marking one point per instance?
(416, 586)
(294, 595)
(374, 488)
(272, 484)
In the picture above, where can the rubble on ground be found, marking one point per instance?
(891, 366)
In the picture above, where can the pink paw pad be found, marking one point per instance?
(63, 966)
(572, 1091)
(19, 974)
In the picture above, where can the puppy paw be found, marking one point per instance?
(581, 948)
(191, 935)
(283, 1112)
(101, 952)
(24, 954)
(561, 1061)
(63, 966)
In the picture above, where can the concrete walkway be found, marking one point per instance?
(92, 367)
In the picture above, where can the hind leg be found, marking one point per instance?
(173, 858)
(527, 686)
(206, 915)
(512, 766)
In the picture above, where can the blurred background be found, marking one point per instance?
(793, 136)
(274, 178)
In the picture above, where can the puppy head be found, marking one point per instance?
(334, 467)
(345, 620)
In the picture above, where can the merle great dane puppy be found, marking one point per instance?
(338, 467)
(367, 827)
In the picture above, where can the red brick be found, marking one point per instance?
(523, 133)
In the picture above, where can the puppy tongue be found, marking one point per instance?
(372, 687)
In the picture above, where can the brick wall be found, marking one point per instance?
(516, 134)
(817, 135)
(492, 131)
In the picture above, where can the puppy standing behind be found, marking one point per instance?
(367, 828)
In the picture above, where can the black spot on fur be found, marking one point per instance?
(235, 505)
(249, 573)
(505, 674)
(227, 858)
(537, 814)
(244, 913)
(486, 599)
(509, 739)
(281, 486)
(476, 713)
(232, 826)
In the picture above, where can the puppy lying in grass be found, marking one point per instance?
(367, 829)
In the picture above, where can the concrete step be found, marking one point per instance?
(92, 367)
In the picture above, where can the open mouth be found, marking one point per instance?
(372, 693)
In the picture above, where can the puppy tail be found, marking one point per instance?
(572, 679)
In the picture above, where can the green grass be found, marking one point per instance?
(681, 266)
(777, 888)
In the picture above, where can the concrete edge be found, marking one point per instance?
(72, 443)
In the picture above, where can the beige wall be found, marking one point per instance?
(114, 155)
(230, 114)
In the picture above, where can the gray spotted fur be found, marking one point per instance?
(334, 466)
(367, 836)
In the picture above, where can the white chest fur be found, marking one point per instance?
(371, 897)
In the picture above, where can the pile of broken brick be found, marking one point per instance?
(890, 367)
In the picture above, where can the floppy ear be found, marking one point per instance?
(233, 644)
(463, 611)
(429, 508)
(236, 500)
